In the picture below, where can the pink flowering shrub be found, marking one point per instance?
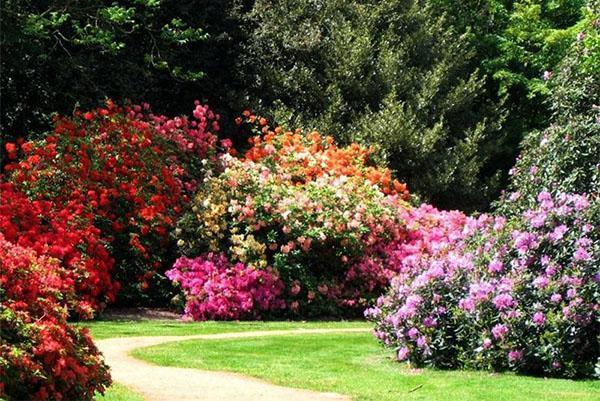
(216, 289)
(518, 293)
(309, 210)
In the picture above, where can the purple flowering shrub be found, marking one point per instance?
(217, 289)
(520, 293)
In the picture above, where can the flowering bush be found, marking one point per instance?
(131, 170)
(41, 356)
(66, 234)
(301, 158)
(216, 289)
(519, 293)
(304, 207)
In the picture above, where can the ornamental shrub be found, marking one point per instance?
(309, 210)
(41, 356)
(216, 289)
(130, 171)
(518, 290)
(65, 233)
(518, 293)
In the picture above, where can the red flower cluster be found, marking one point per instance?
(41, 356)
(128, 170)
(66, 234)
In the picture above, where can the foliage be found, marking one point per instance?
(446, 90)
(564, 157)
(391, 73)
(308, 209)
(55, 54)
(534, 39)
(41, 356)
(130, 171)
(216, 289)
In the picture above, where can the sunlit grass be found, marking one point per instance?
(354, 364)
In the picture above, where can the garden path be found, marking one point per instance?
(161, 383)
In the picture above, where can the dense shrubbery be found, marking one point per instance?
(124, 175)
(217, 289)
(300, 205)
(429, 80)
(519, 290)
(520, 293)
(41, 356)
(66, 234)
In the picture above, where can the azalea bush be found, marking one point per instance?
(65, 233)
(131, 172)
(41, 356)
(298, 204)
(518, 293)
(217, 289)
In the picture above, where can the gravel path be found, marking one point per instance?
(160, 383)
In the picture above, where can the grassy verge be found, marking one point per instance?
(354, 364)
(117, 392)
(106, 329)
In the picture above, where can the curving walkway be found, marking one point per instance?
(161, 383)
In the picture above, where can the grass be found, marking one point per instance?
(129, 328)
(118, 392)
(122, 328)
(352, 364)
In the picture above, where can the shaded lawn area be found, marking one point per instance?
(352, 364)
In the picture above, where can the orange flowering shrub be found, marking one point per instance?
(306, 157)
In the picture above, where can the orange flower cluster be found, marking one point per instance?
(309, 156)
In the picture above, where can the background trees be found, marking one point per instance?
(445, 90)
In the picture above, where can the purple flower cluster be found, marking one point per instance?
(500, 293)
(216, 289)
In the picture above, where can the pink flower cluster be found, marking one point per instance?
(216, 289)
(503, 293)
(196, 135)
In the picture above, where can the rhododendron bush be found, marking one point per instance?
(217, 289)
(125, 175)
(299, 205)
(519, 293)
(66, 234)
(41, 356)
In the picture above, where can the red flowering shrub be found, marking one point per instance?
(131, 170)
(66, 234)
(216, 289)
(41, 356)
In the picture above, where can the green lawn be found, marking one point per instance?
(348, 363)
(106, 329)
(117, 392)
